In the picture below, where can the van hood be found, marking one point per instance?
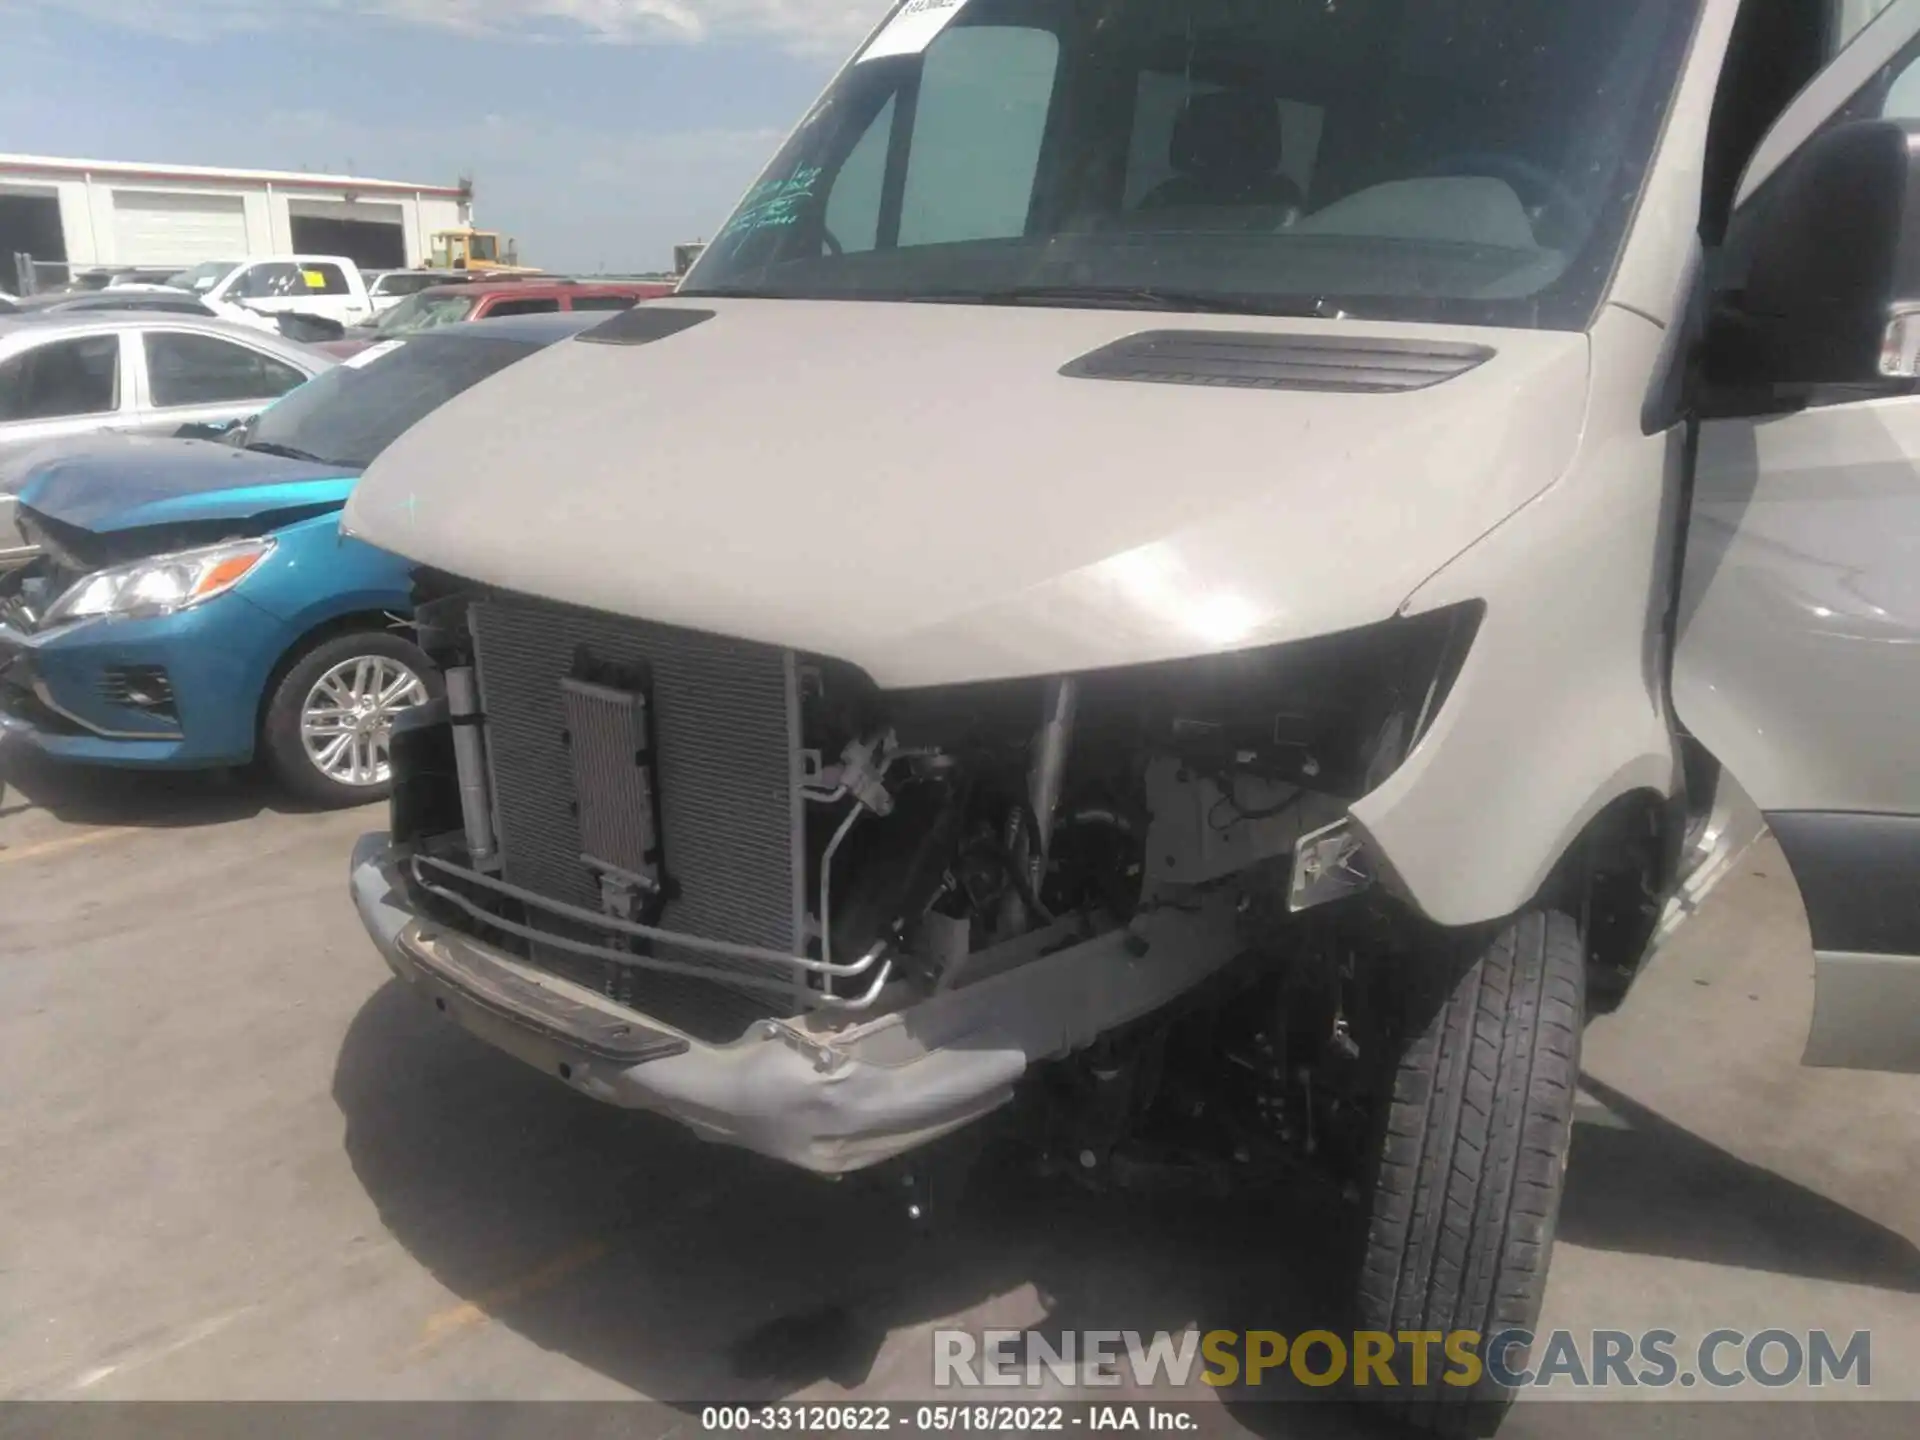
(117, 484)
(920, 491)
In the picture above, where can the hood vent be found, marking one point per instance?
(1252, 361)
(644, 324)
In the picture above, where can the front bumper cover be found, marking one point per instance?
(216, 656)
(830, 1102)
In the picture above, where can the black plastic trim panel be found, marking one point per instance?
(644, 324)
(1859, 876)
(1264, 361)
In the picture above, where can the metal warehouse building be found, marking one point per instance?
(80, 214)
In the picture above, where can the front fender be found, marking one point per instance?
(1561, 706)
(314, 578)
(316, 575)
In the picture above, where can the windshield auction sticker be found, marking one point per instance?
(913, 29)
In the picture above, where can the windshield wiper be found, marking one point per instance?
(1146, 297)
(1092, 297)
(285, 452)
(751, 292)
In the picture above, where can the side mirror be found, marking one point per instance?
(1833, 280)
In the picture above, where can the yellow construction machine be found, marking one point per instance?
(476, 251)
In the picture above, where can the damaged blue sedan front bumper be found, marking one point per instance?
(141, 692)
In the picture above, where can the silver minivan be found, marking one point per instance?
(1206, 578)
(65, 376)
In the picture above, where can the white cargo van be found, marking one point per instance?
(1266, 551)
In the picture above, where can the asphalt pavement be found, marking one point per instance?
(237, 1161)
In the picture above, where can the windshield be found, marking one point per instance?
(203, 276)
(1472, 160)
(484, 247)
(352, 412)
(404, 284)
(424, 312)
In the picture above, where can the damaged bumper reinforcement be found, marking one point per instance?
(828, 1096)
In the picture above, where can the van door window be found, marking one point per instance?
(1777, 48)
(1902, 100)
(1892, 94)
(1853, 16)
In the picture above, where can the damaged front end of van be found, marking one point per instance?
(1135, 611)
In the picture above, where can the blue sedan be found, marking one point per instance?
(195, 604)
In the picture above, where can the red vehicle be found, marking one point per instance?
(490, 300)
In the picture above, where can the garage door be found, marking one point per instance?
(152, 227)
(372, 235)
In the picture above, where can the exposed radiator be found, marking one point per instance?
(722, 720)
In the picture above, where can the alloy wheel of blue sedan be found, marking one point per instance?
(347, 720)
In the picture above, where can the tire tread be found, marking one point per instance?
(1472, 1158)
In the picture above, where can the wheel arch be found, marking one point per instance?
(346, 622)
(1614, 879)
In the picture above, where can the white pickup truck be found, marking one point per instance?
(329, 286)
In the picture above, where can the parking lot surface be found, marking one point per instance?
(240, 1162)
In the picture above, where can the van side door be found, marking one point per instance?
(1797, 657)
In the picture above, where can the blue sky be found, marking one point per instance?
(599, 132)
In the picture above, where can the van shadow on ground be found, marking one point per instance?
(690, 1272)
(1649, 1187)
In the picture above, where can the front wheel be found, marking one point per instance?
(1471, 1160)
(329, 724)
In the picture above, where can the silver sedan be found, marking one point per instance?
(70, 375)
